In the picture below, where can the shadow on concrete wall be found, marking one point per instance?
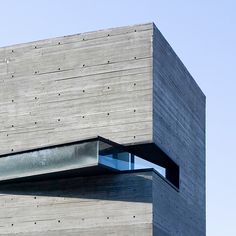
(133, 187)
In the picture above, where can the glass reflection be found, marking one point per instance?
(115, 158)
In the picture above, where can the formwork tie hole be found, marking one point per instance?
(59, 68)
(12, 76)
(59, 43)
(12, 100)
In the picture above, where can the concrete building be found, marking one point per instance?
(101, 133)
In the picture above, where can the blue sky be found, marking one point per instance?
(203, 34)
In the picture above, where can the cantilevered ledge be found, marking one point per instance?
(82, 158)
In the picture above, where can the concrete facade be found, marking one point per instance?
(127, 85)
(179, 130)
(77, 87)
(108, 205)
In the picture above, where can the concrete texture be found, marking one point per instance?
(76, 87)
(105, 205)
(179, 130)
(125, 84)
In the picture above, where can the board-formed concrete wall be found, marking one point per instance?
(179, 130)
(125, 84)
(77, 87)
(116, 205)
